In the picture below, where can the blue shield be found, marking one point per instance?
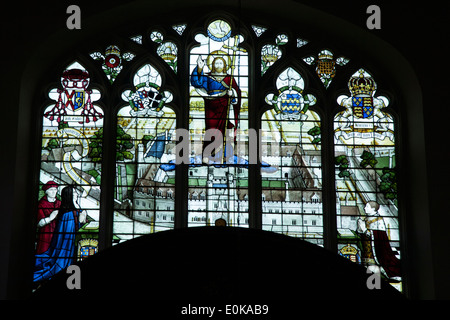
(362, 107)
(292, 103)
(78, 100)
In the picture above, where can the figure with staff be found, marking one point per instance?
(220, 92)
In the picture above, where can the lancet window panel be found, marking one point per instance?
(144, 190)
(218, 119)
(292, 176)
(291, 173)
(367, 208)
(70, 174)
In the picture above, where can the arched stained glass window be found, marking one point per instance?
(265, 146)
(145, 178)
(291, 154)
(70, 176)
(218, 117)
(366, 179)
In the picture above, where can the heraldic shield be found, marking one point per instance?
(78, 100)
(326, 67)
(145, 98)
(291, 102)
(362, 107)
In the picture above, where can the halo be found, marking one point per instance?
(216, 54)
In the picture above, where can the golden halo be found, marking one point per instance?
(217, 54)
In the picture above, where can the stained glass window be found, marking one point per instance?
(218, 117)
(179, 28)
(211, 82)
(145, 177)
(167, 50)
(366, 179)
(70, 175)
(112, 61)
(270, 53)
(137, 38)
(258, 30)
(291, 154)
(325, 64)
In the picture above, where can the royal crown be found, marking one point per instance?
(349, 250)
(362, 84)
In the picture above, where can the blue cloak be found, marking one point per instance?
(61, 252)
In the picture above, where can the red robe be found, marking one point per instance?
(216, 108)
(385, 255)
(45, 233)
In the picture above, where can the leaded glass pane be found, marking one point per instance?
(70, 175)
(270, 53)
(291, 157)
(112, 61)
(167, 50)
(144, 192)
(325, 65)
(366, 180)
(218, 116)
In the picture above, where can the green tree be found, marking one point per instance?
(63, 125)
(388, 184)
(96, 146)
(52, 144)
(315, 132)
(342, 162)
(368, 159)
(123, 145)
(146, 138)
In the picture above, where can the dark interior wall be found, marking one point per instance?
(235, 264)
(417, 31)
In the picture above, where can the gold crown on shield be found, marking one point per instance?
(362, 84)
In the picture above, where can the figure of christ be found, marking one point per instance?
(221, 95)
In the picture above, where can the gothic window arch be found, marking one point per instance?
(285, 134)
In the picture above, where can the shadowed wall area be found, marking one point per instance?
(217, 263)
